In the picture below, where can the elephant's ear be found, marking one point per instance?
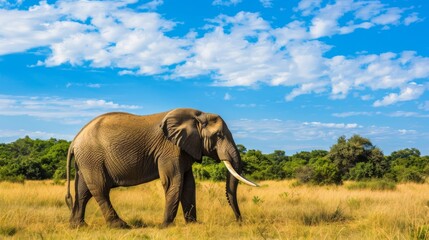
(180, 127)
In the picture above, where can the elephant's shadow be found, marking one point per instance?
(139, 223)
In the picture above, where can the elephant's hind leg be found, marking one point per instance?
(112, 218)
(82, 196)
(98, 185)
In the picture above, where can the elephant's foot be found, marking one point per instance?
(165, 224)
(118, 223)
(190, 219)
(78, 224)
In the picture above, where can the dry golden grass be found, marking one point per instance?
(276, 210)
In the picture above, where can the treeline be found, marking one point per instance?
(355, 158)
(33, 159)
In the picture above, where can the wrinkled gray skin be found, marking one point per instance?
(121, 149)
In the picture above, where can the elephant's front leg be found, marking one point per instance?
(172, 181)
(188, 197)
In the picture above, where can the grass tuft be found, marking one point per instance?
(257, 200)
(8, 230)
(321, 216)
(373, 185)
(137, 223)
(419, 232)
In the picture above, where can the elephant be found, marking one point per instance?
(122, 149)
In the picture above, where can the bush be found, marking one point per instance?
(291, 167)
(217, 172)
(411, 175)
(13, 179)
(402, 173)
(304, 174)
(320, 171)
(325, 172)
(200, 172)
(362, 171)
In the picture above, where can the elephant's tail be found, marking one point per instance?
(69, 199)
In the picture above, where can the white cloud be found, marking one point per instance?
(295, 30)
(225, 2)
(228, 57)
(243, 105)
(10, 3)
(327, 21)
(240, 50)
(306, 7)
(89, 85)
(332, 125)
(369, 9)
(98, 33)
(407, 132)
(423, 106)
(367, 97)
(227, 97)
(70, 111)
(407, 114)
(410, 92)
(392, 114)
(390, 16)
(14, 134)
(152, 5)
(412, 18)
(291, 135)
(279, 130)
(384, 71)
(307, 88)
(94, 85)
(267, 3)
(353, 114)
(38, 27)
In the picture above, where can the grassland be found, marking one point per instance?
(276, 210)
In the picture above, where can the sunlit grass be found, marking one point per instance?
(276, 210)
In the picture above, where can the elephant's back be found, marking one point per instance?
(117, 123)
(93, 136)
(119, 142)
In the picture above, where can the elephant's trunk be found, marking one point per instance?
(231, 194)
(234, 167)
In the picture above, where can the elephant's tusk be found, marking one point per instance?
(238, 176)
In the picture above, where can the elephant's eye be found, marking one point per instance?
(219, 135)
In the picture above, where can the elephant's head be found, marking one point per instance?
(205, 134)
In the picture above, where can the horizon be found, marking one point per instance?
(246, 149)
(291, 76)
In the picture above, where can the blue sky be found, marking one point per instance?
(288, 75)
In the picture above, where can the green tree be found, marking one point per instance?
(347, 153)
(408, 166)
(325, 171)
(320, 171)
(241, 149)
(32, 159)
